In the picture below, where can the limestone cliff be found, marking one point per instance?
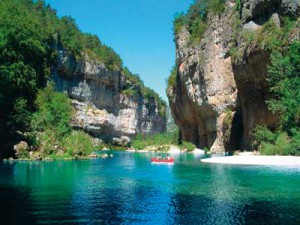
(103, 107)
(221, 89)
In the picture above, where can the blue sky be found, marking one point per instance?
(140, 31)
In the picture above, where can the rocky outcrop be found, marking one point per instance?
(218, 100)
(103, 108)
(21, 149)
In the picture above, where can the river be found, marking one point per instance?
(128, 189)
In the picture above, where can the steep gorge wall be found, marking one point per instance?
(103, 109)
(218, 100)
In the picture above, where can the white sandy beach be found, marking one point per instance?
(256, 160)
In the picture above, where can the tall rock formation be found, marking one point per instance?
(103, 107)
(221, 88)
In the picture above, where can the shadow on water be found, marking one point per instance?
(15, 205)
(14, 201)
(30, 194)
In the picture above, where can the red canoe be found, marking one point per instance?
(162, 160)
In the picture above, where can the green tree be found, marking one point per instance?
(284, 79)
(25, 57)
(77, 143)
(54, 112)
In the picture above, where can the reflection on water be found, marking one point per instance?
(127, 189)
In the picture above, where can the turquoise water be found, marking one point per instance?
(127, 189)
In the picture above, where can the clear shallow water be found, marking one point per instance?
(127, 189)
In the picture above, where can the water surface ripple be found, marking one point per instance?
(127, 189)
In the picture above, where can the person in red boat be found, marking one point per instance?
(160, 159)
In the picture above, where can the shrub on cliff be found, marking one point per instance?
(179, 22)
(271, 37)
(194, 21)
(196, 17)
(216, 6)
(197, 29)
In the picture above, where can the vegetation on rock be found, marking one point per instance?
(195, 20)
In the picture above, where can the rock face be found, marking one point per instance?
(217, 101)
(170, 124)
(103, 109)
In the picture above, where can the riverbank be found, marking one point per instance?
(255, 160)
(172, 149)
(62, 157)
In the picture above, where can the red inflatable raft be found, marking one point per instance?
(162, 160)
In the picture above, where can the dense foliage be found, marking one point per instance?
(54, 112)
(284, 80)
(25, 58)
